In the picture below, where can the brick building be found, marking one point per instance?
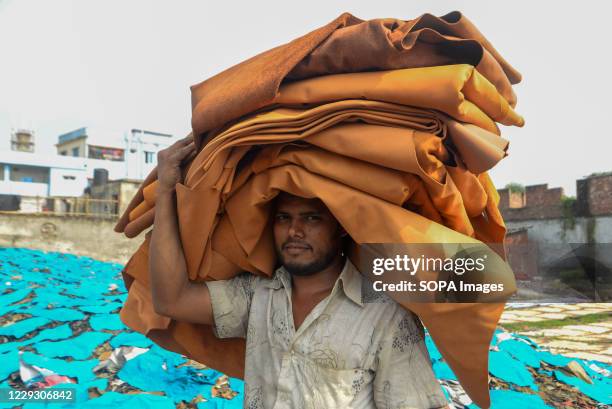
(539, 219)
(593, 198)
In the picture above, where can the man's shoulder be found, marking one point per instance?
(254, 281)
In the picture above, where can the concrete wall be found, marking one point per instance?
(555, 237)
(85, 236)
(553, 230)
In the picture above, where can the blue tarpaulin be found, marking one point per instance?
(131, 339)
(106, 321)
(79, 347)
(505, 367)
(82, 370)
(157, 370)
(504, 399)
(600, 391)
(23, 327)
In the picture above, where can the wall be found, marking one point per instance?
(86, 236)
(62, 183)
(550, 235)
(597, 194)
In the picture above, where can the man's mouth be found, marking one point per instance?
(296, 248)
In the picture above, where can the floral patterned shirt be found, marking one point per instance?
(355, 349)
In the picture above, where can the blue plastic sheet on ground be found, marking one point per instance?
(45, 297)
(7, 299)
(434, 353)
(521, 351)
(599, 391)
(52, 334)
(61, 332)
(10, 364)
(504, 399)
(506, 368)
(10, 346)
(79, 347)
(20, 328)
(130, 339)
(59, 314)
(120, 400)
(443, 371)
(157, 371)
(12, 309)
(104, 308)
(82, 370)
(106, 321)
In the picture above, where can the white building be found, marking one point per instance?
(32, 174)
(129, 155)
(126, 155)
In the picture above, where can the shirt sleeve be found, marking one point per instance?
(231, 303)
(404, 377)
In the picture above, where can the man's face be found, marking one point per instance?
(307, 237)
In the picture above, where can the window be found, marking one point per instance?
(75, 151)
(29, 174)
(149, 157)
(64, 153)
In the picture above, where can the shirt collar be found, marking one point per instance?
(350, 281)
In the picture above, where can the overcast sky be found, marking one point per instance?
(129, 64)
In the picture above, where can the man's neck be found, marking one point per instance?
(319, 282)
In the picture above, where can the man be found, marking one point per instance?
(312, 341)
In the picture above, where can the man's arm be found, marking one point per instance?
(173, 294)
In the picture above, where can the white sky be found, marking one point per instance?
(129, 64)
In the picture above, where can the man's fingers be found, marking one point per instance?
(190, 156)
(184, 141)
(182, 152)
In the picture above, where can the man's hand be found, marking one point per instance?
(169, 162)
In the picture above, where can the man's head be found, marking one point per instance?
(307, 237)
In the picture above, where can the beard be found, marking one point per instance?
(300, 269)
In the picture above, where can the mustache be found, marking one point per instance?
(296, 243)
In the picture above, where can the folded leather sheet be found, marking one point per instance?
(423, 42)
(398, 156)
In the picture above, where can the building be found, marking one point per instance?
(126, 155)
(26, 177)
(547, 229)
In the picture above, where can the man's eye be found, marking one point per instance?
(281, 217)
(312, 218)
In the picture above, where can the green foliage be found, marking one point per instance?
(568, 204)
(515, 187)
(595, 174)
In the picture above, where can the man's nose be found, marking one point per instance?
(296, 229)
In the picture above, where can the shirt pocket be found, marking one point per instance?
(328, 387)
